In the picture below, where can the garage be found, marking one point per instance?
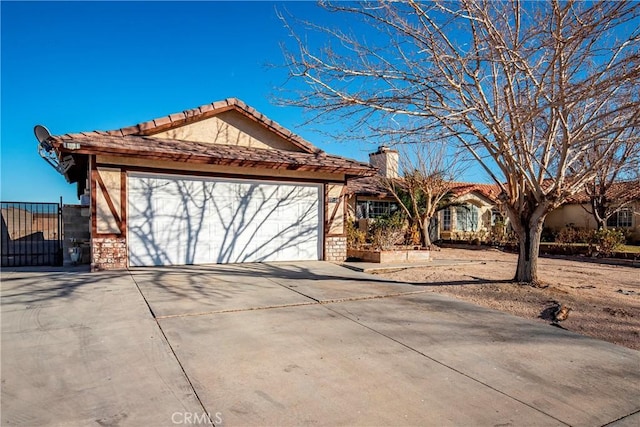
(220, 183)
(191, 220)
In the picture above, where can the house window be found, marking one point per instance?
(621, 218)
(466, 218)
(375, 209)
(446, 219)
(496, 217)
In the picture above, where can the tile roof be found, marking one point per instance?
(371, 186)
(206, 111)
(367, 186)
(628, 189)
(490, 191)
(196, 152)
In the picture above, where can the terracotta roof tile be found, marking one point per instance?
(146, 126)
(187, 151)
(367, 186)
(371, 186)
(490, 191)
(177, 117)
(628, 189)
(160, 121)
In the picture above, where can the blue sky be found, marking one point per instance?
(81, 66)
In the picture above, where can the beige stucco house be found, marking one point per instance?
(220, 183)
(476, 211)
(577, 212)
(474, 214)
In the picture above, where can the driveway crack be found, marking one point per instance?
(175, 356)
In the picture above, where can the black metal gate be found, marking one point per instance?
(31, 234)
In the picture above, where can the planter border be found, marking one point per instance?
(390, 256)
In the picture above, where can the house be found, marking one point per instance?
(576, 212)
(475, 211)
(472, 215)
(220, 183)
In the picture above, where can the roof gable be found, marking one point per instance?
(230, 128)
(234, 123)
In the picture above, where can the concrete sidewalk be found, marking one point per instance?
(291, 344)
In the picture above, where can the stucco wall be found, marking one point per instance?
(229, 128)
(577, 216)
(574, 215)
(484, 206)
(107, 219)
(335, 209)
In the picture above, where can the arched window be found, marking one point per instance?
(466, 217)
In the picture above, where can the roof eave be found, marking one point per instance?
(220, 161)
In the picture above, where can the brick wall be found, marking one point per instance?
(335, 248)
(109, 253)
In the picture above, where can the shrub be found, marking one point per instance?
(547, 235)
(569, 235)
(606, 240)
(388, 231)
(356, 238)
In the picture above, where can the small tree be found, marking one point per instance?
(427, 178)
(617, 180)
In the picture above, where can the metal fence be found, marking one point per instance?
(31, 234)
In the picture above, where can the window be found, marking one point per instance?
(446, 219)
(374, 209)
(466, 218)
(496, 217)
(621, 218)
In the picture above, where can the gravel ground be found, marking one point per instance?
(605, 299)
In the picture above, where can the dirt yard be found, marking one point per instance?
(605, 299)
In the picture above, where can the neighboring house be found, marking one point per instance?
(220, 183)
(576, 212)
(475, 209)
(472, 215)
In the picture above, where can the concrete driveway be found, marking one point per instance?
(291, 344)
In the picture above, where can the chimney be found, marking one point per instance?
(386, 160)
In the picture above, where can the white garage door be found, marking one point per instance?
(188, 220)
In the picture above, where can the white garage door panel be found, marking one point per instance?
(176, 221)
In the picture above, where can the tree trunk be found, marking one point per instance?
(599, 212)
(426, 239)
(529, 250)
(527, 223)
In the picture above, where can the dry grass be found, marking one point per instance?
(605, 299)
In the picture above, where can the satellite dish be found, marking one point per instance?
(42, 135)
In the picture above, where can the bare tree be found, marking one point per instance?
(428, 172)
(525, 87)
(617, 181)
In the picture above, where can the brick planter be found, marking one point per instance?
(394, 256)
